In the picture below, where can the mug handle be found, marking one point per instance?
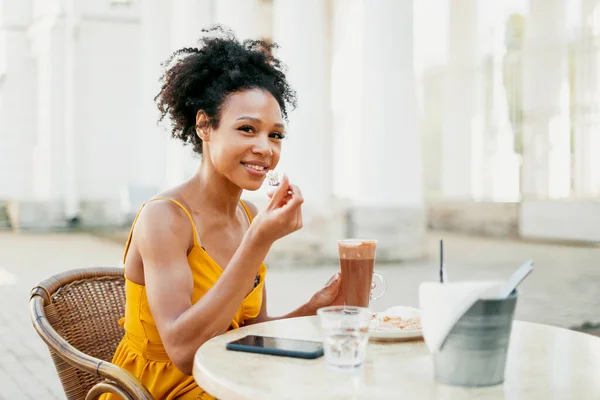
(377, 289)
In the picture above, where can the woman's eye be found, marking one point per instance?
(246, 128)
(277, 135)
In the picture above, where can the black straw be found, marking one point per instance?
(441, 261)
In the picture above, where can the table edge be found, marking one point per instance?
(212, 384)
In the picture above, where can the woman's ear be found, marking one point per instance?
(202, 125)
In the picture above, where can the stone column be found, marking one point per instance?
(49, 36)
(152, 139)
(462, 133)
(501, 163)
(346, 40)
(18, 109)
(389, 204)
(306, 53)
(72, 24)
(249, 19)
(306, 152)
(188, 18)
(54, 37)
(587, 109)
(546, 136)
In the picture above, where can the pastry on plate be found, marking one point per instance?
(397, 318)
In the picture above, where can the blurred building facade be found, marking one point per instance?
(501, 139)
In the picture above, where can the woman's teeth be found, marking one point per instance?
(256, 167)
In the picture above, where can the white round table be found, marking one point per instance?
(544, 362)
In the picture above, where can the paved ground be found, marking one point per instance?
(564, 290)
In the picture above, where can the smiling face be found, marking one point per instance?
(247, 142)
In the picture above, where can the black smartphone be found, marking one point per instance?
(277, 346)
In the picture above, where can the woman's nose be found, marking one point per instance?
(263, 147)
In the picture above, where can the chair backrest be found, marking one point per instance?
(84, 310)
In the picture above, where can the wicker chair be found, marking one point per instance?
(76, 313)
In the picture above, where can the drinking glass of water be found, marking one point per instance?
(345, 335)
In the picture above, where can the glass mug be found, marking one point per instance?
(360, 283)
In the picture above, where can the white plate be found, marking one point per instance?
(389, 333)
(394, 334)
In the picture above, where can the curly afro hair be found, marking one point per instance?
(202, 78)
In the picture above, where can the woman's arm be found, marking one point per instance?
(304, 310)
(183, 328)
(327, 296)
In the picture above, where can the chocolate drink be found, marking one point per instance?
(357, 259)
(357, 276)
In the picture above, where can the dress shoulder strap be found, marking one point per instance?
(248, 213)
(185, 210)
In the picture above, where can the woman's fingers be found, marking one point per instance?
(280, 193)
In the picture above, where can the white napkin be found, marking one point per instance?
(442, 305)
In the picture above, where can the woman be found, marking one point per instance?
(194, 258)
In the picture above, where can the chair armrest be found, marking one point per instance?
(120, 379)
(107, 387)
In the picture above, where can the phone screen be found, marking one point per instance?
(266, 342)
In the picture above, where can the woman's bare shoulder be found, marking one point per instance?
(162, 220)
